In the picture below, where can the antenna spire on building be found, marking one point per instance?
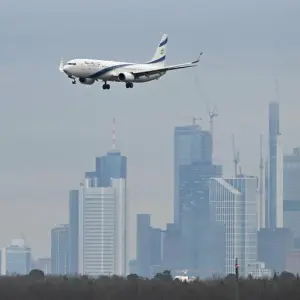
(236, 158)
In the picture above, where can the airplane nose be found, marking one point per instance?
(65, 68)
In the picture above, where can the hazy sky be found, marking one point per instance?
(52, 130)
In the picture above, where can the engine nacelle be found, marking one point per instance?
(127, 77)
(88, 81)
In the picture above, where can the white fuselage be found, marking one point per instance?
(108, 70)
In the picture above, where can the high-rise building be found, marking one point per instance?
(103, 232)
(73, 231)
(194, 215)
(291, 194)
(60, 250)
(192, 144)
(274, 209)
(16, 258)
(103, 228)
(173, 250)
(143, 234)
(227, 209)
(148, 247)
(234, 204)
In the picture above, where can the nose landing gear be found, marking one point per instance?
(74, 80)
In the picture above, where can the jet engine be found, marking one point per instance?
(88, 81)
(127, 77)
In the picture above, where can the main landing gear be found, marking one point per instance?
(129, 85)
(106, 86)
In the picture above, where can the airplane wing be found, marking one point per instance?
(169, 68)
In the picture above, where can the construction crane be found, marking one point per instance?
(212, 114)
(236, 158)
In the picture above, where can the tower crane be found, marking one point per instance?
(212, 114)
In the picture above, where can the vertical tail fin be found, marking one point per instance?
(160, 53)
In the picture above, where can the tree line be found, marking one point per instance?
(162, 286)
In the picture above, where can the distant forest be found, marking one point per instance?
(36, 286)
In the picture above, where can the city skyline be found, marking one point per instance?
(195, 171)
(51, 131)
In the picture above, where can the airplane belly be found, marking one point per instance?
(146, 78)
(106, 76)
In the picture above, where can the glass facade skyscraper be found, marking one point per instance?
(234, 204)
(60, 250)
(193, 167)
(192, 144)
(227, 209)
(274, 209)
(103, 229)
(103, 206)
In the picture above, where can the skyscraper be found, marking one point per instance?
(191, 145)
(291, 194)
(148, 247)
(17, 258)
(234, 203)
(227, 209)
(143, 240)
(195, 224)
(274, 209)
(103, 216)
(73, 231)
(103, 228)
(247, 186)
(60, 250)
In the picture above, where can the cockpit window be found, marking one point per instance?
(71, 64)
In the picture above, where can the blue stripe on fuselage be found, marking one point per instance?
(157, 60)
(163, 42)
(108, 69)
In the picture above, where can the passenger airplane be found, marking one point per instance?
(90, 70)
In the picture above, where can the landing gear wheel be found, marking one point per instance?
(74, 81)
(106, 86)
(129, 85)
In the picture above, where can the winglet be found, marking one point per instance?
(197, 60)
(61, 65)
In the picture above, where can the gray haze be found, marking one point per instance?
(51, 130)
